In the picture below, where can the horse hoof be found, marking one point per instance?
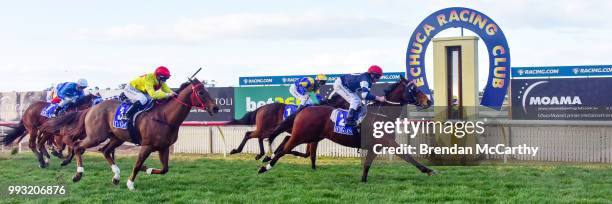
(266, 159)
(432, 173)
(58, 155)
(77, 177)
(115, 181)
(64, 163)
(262, 170)
(257, 157)
(234, 151)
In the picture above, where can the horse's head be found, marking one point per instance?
(406, 92)
(201, 98)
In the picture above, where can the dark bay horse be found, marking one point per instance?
(268, 117)
(32, 120)
(158, 129)
(312, 125)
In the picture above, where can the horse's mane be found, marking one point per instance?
(391, 87)
(183, 86)
(85, 100)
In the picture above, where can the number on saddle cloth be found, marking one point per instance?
(120, 122)
(48, 111)
(289, 110)
(339, 117)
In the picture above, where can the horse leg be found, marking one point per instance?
(79, 150)
(312, 150)
(58, 149)
(164, 155)
(110, 148)
(70, 144)
(40, 145)
(291, 143)
(33, 146)
(262, 150)
(247, 136)
(277, 150)
(370, 156)
(145, 151)
(410, 159)
(299, 154)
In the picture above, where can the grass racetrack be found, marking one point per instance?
(234, 179)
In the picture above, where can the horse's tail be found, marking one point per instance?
(282, 127)
(17, 132)
(247, 119)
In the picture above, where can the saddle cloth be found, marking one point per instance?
(289, 110)
(119, 122)
(338, 117)
(48, 111)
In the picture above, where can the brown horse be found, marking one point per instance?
(312, 125)
(158, 129)
(268, 117)
(32, 120)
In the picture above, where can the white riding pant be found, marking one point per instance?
(66, 100)
(135, 95)
(304, 99)
(353, 99)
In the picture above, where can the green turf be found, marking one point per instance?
(214, 179)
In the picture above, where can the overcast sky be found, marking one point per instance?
(110, 42)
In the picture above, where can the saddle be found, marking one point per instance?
(338, 117)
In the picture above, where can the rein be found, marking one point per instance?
(194, 98)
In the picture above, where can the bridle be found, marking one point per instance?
(195, 97)
(417, 103)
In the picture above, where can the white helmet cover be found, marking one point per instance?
(82, 82)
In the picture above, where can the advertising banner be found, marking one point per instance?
(250, 98)
(13, 104)
(562, 71)
(224, 98)
(562, 99)
(288, 80)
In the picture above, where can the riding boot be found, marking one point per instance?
(57, 110)
(127, 114)
(134, 135)
(350, 118)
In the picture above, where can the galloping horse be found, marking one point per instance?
(158, 129)
(267, 118)
(312, 125)
(32, 120)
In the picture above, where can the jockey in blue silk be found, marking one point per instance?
(69, 93)
(348, 86)
(302, 87)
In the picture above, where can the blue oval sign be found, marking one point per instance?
(485, 28)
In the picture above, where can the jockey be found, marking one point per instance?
(302, 87)
(68, 93)
(349, 85)
(146, 87)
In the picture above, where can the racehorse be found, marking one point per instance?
(267, 118)
(32, 120)
(312, 125)
(158, 129)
